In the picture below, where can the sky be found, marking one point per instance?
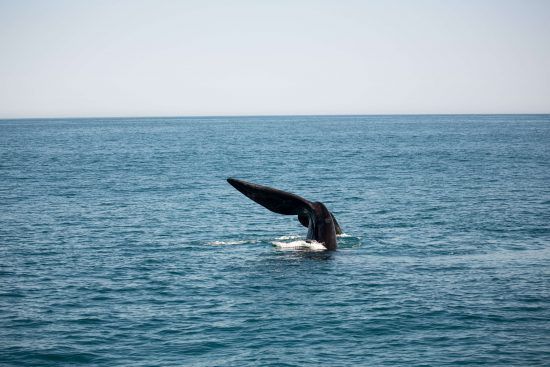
(94, 58)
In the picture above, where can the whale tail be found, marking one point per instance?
(279, 201)
(304, 220)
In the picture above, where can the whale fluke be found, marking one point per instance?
(277, 201)
(321, 223)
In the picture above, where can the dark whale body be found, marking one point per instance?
(321, 224)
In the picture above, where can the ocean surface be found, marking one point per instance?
(122, 244)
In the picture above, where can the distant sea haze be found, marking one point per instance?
(122, 243)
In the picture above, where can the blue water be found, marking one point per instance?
(122, 244)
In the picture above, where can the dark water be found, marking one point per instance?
(122, 244)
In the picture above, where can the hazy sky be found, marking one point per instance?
(169, 58)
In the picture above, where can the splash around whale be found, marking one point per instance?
(321, 223)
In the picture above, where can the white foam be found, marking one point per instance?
(222, 243)
(289, 237)
(300, 245)
(343, 235)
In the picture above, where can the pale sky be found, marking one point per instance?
(175, 58)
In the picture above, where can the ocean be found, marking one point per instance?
(122, 244)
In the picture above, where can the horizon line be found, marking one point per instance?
(267, 115)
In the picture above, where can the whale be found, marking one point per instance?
(321, 224)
